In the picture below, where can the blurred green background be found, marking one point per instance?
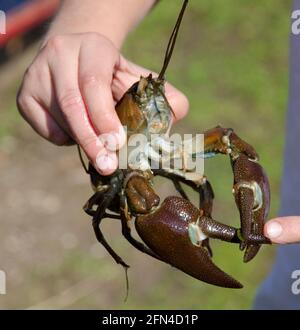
(231, 60)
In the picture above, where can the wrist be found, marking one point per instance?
(112, 19)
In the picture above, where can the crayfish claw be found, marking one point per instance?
(253, 244)
(239, 146)
(220, 140)
(166, 232)
(251, 252)
(252, 196)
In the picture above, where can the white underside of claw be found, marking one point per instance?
(196, 235)
(257, 192)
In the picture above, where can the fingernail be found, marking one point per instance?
(106, 163)
(274, 229)
(114, 140)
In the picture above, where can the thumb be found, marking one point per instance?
(178, 101)
(283, 230)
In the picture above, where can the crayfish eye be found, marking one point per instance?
(142, 85)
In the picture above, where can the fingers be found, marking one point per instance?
(95, 81)
(71, 104)
(178, 101)
(42, 122)
(34, 111)
(283, 230)
(52, 101)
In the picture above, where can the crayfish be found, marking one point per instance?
(176, 231)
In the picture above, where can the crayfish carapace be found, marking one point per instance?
(176, 231)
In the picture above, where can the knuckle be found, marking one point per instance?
(107, 116)
(70, 101)
(89, 79)
(88, 143)
(24, 99)
(94, 37)
(23, 102)
(92, 147)
(56, 43)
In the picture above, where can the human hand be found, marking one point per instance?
(283, 230)
(69, 92)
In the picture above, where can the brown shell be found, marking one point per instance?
(166, 233)
(130, 114)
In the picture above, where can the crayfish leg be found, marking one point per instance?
(252, 249)
(218, 230)
(126, 231)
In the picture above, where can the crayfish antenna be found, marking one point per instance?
(127, 284)
(172, 41)
(81, 160)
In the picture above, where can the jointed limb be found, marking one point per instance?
(127, 232)
(97, 218)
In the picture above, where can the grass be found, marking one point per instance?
(9, 117)
(231, 60)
